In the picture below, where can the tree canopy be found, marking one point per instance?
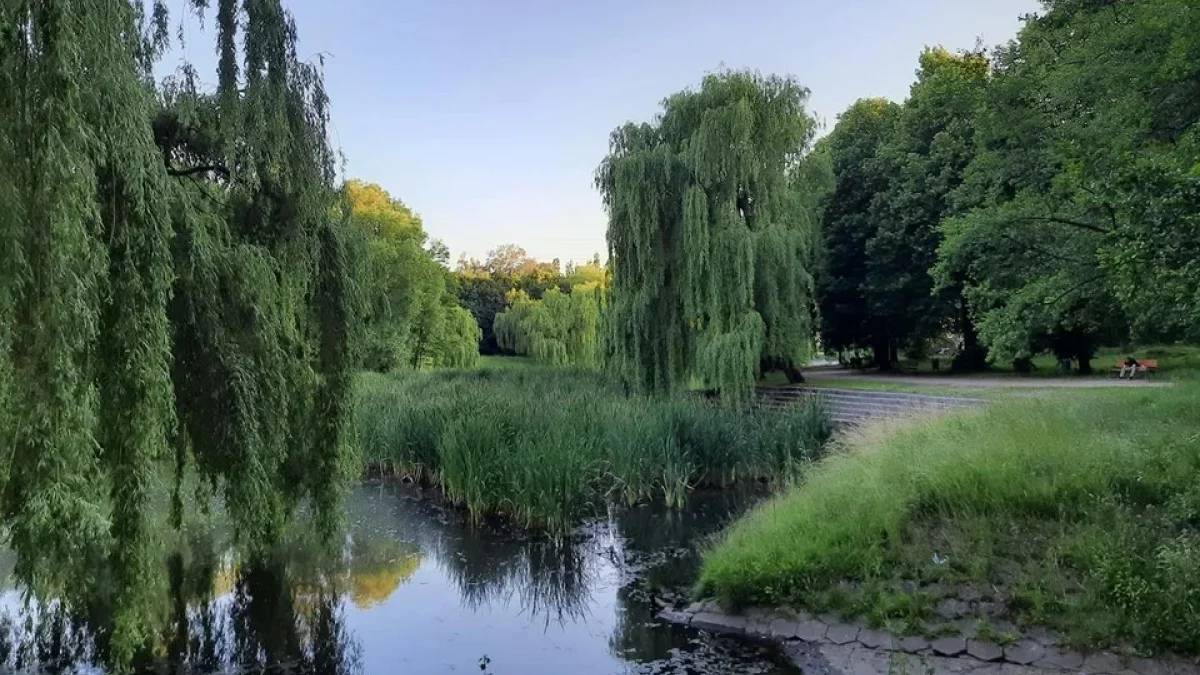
(1080, 219)
(174, 288)
(560, 329)
(896, 167)
(1041, 197)
(484, 287)
(409, 311)
(709, 246)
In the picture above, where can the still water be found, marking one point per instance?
(420, 590)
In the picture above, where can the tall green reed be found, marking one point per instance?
(545, 446)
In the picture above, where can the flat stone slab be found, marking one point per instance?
(913, 644)
(1024, 652)
(720, 623)
(986, 651)
(811, 631)
(1064, 659)
(784, 629)
(675, 617)
(949, 646)
(952, 608)
(874, 639)
(842, 633)
(1043, 636)
(1102, 663)
(1150, 667)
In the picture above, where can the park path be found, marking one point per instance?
(835, 376)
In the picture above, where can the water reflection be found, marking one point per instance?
(416, 589)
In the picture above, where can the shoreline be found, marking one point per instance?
(827, 644)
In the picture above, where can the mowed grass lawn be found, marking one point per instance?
(1082, 508)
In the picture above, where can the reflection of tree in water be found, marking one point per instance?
(276, 618)
(487, 563)
(660, 556)
(549, 578)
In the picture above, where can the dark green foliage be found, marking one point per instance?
(709, 243)
(896, 168)
(847, 227)
(1082, 196)
(544, 446)
(172, 290)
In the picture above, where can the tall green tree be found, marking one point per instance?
(560, 329)
(172, 289)
(709, 246)
(1080, 205)
(848, 226)
(405, 292)
(896, 169)
(924, 159)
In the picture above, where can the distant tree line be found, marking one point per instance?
(509, 277)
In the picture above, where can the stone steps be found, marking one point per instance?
(852, 406)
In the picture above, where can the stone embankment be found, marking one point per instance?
(826, 644)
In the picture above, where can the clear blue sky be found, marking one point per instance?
(489, 117)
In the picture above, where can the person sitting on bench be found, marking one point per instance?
(1130, 366)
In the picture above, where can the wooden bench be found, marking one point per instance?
(1145, 367)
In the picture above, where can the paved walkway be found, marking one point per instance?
(842, 377)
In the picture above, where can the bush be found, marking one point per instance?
(544, 445)
(1082, 508)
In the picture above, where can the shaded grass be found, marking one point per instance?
(1082, 508)
(1175, 362)
(545, 446)
(493, 362)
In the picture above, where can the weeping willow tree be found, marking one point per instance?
(560, 329)
(172, 291)
(709, 240)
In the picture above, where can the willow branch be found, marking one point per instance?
(215, 168)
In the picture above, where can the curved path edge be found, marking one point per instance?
(827, 646)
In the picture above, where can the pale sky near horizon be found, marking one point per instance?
(489, 118)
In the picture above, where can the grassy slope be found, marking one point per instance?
(1082, 508)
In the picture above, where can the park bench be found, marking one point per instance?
(1145, 367)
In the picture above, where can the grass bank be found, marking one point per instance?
(1079, 510)
(544, 446)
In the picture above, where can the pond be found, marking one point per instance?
(420, 590)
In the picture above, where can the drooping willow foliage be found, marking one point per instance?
(173, 288)
(709, 242)
(561, 329)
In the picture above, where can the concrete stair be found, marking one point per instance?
(851, 406)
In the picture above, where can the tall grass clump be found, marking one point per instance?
(1080, 511)
(544, 446)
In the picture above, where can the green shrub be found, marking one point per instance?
(544, 445)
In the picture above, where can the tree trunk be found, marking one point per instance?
(883, 353)
(972, 356)
(1085, 364)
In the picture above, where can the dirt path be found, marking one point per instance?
(848, 378)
